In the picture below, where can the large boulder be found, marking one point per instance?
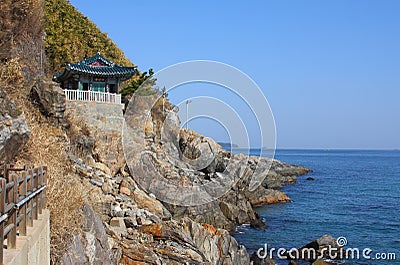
(188, 242)
(93, 248)
(262, 261)
(49, 98)
(267, 196)
(325, 246)
(143, 200)
(14, 131)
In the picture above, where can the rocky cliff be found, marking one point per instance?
(194, 176)
(123, 222)
(142, 229)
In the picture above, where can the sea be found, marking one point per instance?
(355, 195)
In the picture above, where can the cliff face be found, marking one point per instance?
(141, 228)
(194, 176)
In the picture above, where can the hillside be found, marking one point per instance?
(25, 56)
(70, 37)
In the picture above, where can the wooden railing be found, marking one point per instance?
(22, 199)
(96, 96)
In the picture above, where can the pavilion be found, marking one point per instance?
(96, 75)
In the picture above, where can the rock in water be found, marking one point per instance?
(258, 223)
(14, 131)
(259, 261)
(324, 246)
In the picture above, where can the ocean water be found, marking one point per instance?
(355, 194)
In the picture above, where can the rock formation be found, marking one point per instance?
(93, 248)
(184, 161)
(14, 131)
(49, 98)
(142, 229)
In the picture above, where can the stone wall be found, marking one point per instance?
(104, 122)
(34, 248)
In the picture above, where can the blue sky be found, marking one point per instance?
(329, 69)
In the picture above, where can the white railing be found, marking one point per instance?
(96, 96)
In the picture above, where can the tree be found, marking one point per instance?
(144, 79)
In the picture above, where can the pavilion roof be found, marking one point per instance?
(96, 65)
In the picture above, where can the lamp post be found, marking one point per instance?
(187, 113)
(164, 95)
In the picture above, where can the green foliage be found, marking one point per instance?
(71, 37)
(144, 79)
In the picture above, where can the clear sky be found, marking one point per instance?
(329, 69)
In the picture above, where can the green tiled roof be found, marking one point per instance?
(96, 57)
(108, 69)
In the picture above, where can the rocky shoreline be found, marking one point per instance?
(123, 224)
(144, 230)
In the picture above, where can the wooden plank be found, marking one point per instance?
(13, 195)
(8, 232)
(22, 211)
(44, 193)
(35, 199)
(29, 190)
(39, 197)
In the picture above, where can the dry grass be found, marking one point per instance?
(78, 130)
(47, 146)
(11, 72)
(22, 54)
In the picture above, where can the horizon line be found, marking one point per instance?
(323, 148)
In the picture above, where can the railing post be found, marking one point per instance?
(39, 197)
(2, 208)
(30, 202)
(44, 195)
(14, 190)
(35, 199)
(22, 211)
(12, 195)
